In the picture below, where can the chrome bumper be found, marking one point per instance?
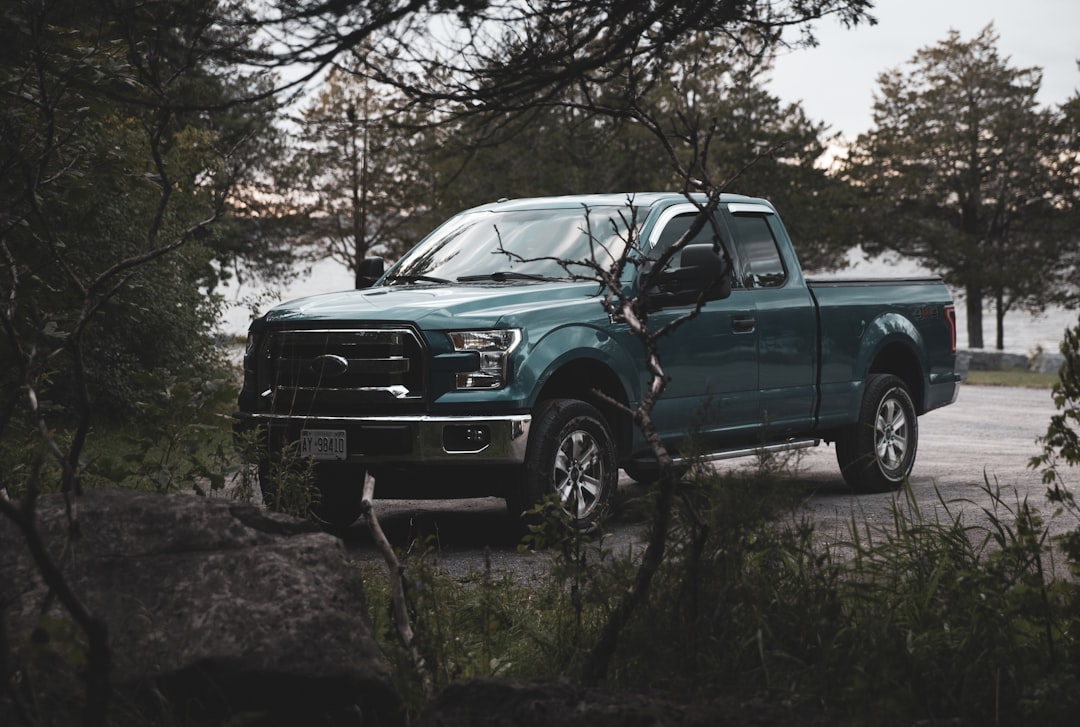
(421, 439)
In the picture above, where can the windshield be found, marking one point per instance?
(517, 245)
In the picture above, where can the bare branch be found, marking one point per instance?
(399, 606)
(98, 687)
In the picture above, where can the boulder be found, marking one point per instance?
(992, 360)
(1047, 362)
(218, 607)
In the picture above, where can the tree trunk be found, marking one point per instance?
(973, 294)
(1000, 315)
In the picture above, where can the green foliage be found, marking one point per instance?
(184, 443)
(582, 587)
(285, 479)
(465, 629)
(947, 619)
(740, 599)
(113, 171)
(491, 624)
(930, 618)
(1061, 443)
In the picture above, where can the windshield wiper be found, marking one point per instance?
(500, 276)
(417, 278)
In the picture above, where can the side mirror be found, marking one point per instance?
(371, 269)
(710, 270)
(703, 268)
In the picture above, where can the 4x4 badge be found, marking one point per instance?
(329, 364)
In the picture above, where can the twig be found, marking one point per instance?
(397, 588)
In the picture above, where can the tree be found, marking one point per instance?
(358, 166)
(119, 140)
(619, 138)
(1061, 442)
(118, 152)
(1066, 165)
(959, 171)
(480, 55)
(710, 101)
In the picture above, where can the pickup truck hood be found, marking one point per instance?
(436, 306)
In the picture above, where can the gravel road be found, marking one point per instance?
(989, 431)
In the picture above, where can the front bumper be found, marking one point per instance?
(421, 439)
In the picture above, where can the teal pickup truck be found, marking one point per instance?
(484, 362)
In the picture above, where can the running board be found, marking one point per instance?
(751, 451)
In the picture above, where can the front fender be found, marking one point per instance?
(571, 343)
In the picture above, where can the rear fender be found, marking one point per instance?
(891, 344)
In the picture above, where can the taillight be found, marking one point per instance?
(950, 320)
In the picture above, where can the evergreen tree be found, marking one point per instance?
(120, 150)
(957, 171)
(358, 168)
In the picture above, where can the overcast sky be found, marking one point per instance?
(836, 81)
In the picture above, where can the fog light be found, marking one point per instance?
(466, 438)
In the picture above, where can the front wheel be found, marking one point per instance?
(877, 453)
(341, 494)
(571, 455)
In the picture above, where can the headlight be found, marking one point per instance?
(494, 348)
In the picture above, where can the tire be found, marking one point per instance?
(571, 454)
(877, 453)
(340, 491)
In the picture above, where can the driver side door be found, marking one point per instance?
(711, 359)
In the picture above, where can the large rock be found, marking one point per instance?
(218, 606)
(1047, 362)
(992, 360)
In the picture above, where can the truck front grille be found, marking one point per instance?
(347, 371)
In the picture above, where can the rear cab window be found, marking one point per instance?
(757, 256)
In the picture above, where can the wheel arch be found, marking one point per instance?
(593, 381)
(894, 345)
(899, 358)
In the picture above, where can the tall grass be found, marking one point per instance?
(933, 618)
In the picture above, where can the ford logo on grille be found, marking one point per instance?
(329, 364)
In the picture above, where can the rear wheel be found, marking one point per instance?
(877, 453)
(571, 454)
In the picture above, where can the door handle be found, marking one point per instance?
(743, 323)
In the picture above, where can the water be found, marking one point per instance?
(1025, 333)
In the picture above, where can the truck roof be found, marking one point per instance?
(615, 199)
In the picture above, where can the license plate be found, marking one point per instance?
(322, 443)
